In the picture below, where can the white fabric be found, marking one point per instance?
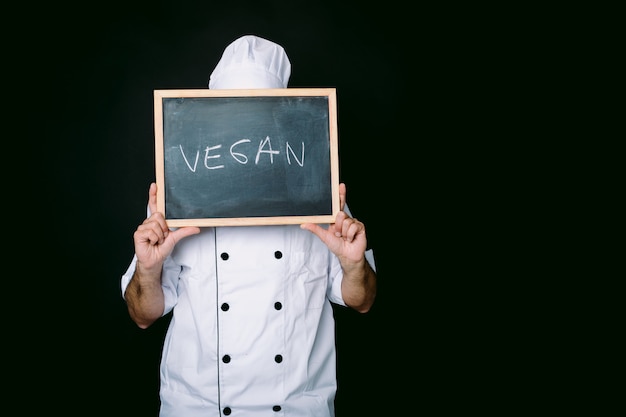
(251, 62)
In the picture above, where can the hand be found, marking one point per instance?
(346, 237)
(154, 241)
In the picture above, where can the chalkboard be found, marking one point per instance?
(246, 157)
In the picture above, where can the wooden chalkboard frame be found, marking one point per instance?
(328, 93)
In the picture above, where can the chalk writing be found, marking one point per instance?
(265, 147)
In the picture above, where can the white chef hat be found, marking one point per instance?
(251, 62)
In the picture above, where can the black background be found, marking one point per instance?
(438, 145)
(91, 75)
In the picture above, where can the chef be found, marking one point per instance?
(252, 331)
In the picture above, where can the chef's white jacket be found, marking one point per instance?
(252, 330)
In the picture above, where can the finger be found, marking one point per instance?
(314, 228)
(351, 228)
(339, 221)
(160, 220)
(152, 198)
(149, 233)
(183, 232)
(342, 196)
(154, 228)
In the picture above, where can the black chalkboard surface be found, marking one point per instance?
(246, 157)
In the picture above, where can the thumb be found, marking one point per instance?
(183, 232)
(315, 229)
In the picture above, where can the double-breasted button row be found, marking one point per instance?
(277, 305)
(227, 410)
(224, 255)
(277, 358)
